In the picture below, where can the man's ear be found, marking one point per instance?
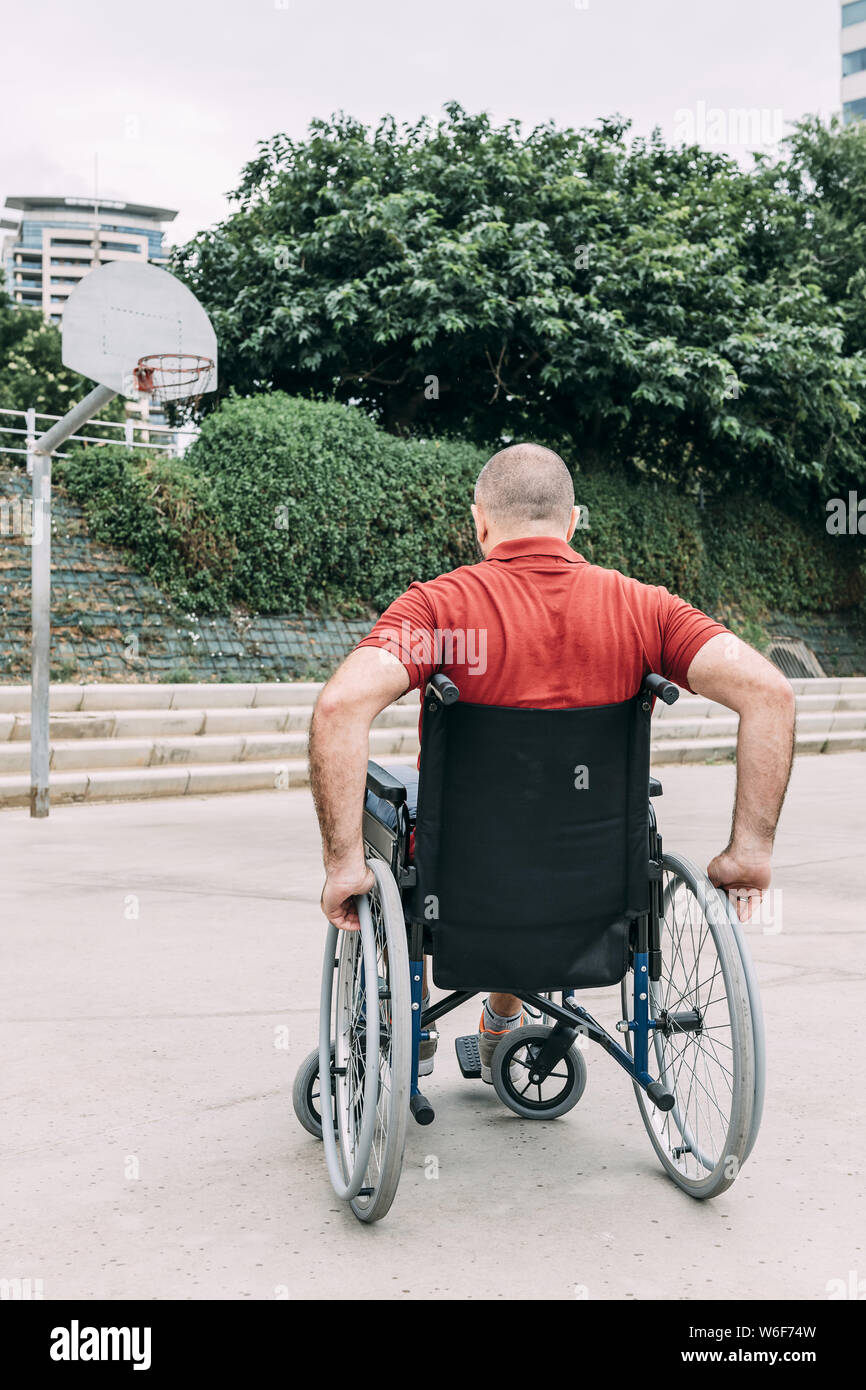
(481, 527)
(572, 525)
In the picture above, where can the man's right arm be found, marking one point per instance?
(727, 670)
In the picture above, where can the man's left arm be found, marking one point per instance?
(368, 681)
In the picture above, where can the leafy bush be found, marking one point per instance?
(160, 512)
(785, 562)
(735, 552)
(285, 504)
(324, 507)
(643, 529)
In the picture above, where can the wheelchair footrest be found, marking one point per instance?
(468, 1056)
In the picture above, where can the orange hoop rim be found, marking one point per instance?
(175, 369)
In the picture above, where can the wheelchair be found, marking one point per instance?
(538, 870)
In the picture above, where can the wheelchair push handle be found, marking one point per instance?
(443, 688)
(664, 689)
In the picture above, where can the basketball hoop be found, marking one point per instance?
(131, 312)
(173, 376)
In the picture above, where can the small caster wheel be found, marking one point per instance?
(306, 1094)
(512, 1066)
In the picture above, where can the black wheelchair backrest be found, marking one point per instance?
(531, 843)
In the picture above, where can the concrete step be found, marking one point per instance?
(69, 754)
(112, 783)
(808, 702)
(117, 741)
(193, 722)
(201, 779)
(833, 683)
(817, 693)
(699, 750)
(107, 695)
(77, 753)
(122, 784)
(689, 718)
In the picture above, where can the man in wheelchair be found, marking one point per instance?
(549, 654)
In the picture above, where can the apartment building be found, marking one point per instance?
(853, 46)
(53, 242)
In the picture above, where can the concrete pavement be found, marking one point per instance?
(160, 968)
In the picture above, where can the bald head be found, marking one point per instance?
(524, 489)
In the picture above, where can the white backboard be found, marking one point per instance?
(130, 309)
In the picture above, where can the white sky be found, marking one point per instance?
(173, 97)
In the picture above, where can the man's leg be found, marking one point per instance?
(502, 1013)
(505, 1005)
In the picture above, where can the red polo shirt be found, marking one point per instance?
(535, 625)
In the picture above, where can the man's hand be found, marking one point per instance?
(743, 875)
(342, 886)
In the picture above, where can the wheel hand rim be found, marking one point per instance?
(383, 1100)
(684, 1137)
(348, 1184)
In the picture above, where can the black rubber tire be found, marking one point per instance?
(501, 1070)
(304, 1101)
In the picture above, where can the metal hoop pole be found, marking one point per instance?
(40, 593)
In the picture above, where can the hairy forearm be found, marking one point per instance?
(734, 674)
(765, 750)
(364, 685)
(338, 773)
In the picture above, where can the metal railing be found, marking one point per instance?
(177, 441)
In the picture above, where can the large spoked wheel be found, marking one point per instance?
(512, 1070)
(367, 1013)
(708, 1053)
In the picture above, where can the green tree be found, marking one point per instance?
(637, 305)
(31, 371)
(824, 175)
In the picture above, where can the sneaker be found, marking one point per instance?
(488, 1039)
(426, 1050)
